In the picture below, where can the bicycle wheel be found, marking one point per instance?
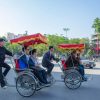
(73, 80)
(26, 85)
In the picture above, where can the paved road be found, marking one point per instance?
(88, 91)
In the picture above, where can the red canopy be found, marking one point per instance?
(71, 46)
(30, 39)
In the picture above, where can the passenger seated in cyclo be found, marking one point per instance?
(26, 61)
(39, 71)
(74, 61)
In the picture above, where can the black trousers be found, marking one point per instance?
(3, 74)
(49, 67)
(41, 75)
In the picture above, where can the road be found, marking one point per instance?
(89, 90)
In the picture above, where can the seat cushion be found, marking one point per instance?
(64, 65)
(19, 65)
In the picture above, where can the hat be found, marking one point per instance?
(1, 40)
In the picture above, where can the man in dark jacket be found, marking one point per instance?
(47, 58)
(3, 52)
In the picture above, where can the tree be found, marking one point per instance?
(15, 48)
(4, 38)
(55, 40)
(96, 25)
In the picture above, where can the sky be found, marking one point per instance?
(49, 16)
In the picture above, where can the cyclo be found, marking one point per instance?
(71, 75)
(26, 82)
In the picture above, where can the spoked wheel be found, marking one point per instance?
(25, 85)
(73, 80)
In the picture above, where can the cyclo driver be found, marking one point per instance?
(3, 52)
(47, 58)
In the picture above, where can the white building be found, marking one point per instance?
(12, 36)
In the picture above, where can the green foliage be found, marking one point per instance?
(4, 38)
(89, 53)
(96, 25)
(41, 49)
(15, 48)
(74, 41)
(55, 40)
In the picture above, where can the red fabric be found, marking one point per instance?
(37, 41)
(64, 65)
(71, 46)
(39, 38)
(16, 64)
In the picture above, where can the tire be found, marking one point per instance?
(73, 80)
(26, 85)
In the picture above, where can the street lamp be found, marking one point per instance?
(66, 30)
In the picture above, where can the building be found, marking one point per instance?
(12, 36)
(17, 36)
(95, 41)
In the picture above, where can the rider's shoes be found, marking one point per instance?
(47, 84)
(3, 86)
(84, 78)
